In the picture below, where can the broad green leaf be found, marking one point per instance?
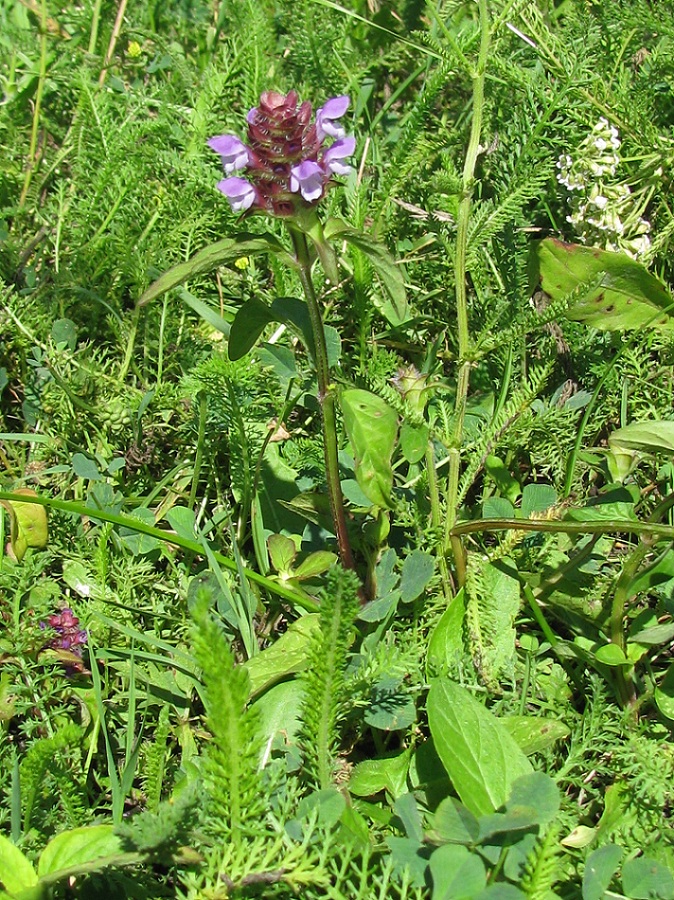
(600, 868)
(372, 426)
(417, 572)
(394, 306)
(77, 577)
(413, 441)
(278, 713)
(454, 824)
(445, 647)
(28, 524)
(374, 775)
(501, 891)
(77, 847)
(282, 552)
(457, 873)
(650, 437)
(627, 297)
(64, 331)
(84, 467)
(481, 758)
(535, 733)
(287, 655)
(611, 655)
(222, 253)
(330, 803)
(315, 564)
(182, 520)
(645, 878)
(410, 856)
(16, 870)
(254, 316)
(537, 792)
(664, 694)
(249, 323)
(407, 810)
(536, 498)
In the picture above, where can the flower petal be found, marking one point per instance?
(307, 179)
(335, 107)
(240, 193)
(327, 114)
(233, 152)
(333, 156)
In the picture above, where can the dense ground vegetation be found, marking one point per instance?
(196, 699)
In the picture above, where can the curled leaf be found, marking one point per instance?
(28, 524)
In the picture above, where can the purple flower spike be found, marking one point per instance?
(308, 180)
(233, 152)
(325, 117)
(240, 193)
(289, 159)
(333, 157)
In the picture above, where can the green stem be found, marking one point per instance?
(559, 526)
(436, 518)
(460, 273)
(42, 77)
(621, 596)
(130, 344)
(93, 34)
(326, 399)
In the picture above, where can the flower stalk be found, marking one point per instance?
(452, 542)
(326, 399)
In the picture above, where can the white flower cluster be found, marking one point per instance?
(603, 210)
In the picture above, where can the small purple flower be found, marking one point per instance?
(233, 152)
(333, 157)
(308, 180)
(325, 117)
(240, 193)
(68, 635)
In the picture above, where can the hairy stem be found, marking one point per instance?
(326, 399)
(451, 541)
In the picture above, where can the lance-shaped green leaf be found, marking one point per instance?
(222, 253)
(207, 313)
(254, 316)
(393, 306)
(649, 437)
(372, 427)
(626, 297)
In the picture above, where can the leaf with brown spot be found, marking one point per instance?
(627, 296)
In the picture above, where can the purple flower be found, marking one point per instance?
(307, 179)
(240, 193)
(288, 159)
(69, 636)
(233, 152)
(326, 116)
(333, 156)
